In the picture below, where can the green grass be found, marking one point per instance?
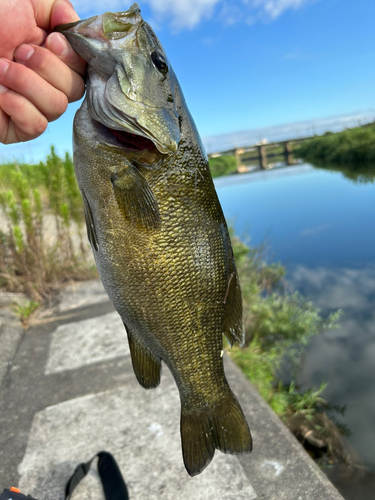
(223, 165)
(351, 147)
(25, 310)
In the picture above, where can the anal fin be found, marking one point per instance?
(146, 366)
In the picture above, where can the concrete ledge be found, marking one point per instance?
(11, 334)
(56, 412)
(279, 468)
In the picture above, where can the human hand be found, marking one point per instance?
(39, 71)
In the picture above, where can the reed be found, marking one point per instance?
(42, 236)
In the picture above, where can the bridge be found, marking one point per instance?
(262, 152)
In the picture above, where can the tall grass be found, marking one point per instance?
(42, 240)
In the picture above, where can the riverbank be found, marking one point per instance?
(351, 151)
(351, 147)
(320, 226)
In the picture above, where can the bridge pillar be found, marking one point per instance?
(240, 167)
(262, 156)
(288, 157)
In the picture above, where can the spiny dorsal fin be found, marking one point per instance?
(91, 231)
(146, 366)
(135, 198)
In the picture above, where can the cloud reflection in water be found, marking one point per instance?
(344, 357)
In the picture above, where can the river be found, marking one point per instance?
(321, 226)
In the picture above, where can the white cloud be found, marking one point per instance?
(231, 14)
(274, 8)
(179, 14)
(349, 289)
(186, 14)
(182, 13)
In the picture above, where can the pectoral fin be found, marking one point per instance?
(91, 232)
(135, 198)
(146, 366)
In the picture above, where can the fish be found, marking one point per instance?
(156, 227)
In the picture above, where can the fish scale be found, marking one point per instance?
(156, 227)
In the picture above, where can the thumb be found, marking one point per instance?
(63, 12)
(50, 13)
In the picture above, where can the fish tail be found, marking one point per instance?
(222, 426)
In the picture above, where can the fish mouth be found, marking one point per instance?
(139, 150)
(129, 89)
(132, 141)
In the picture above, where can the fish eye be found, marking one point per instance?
(159, 62)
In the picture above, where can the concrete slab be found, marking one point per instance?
(141, 429)
(85, 342)
(10, 337)
(52, 420)
(11, 332)
(79, 294)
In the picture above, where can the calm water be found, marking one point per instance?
(321, 226)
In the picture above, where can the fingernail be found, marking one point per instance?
(3, 89)
(23, 53)
(58, 44)
(4, 65)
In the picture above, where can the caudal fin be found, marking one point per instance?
(222, 426)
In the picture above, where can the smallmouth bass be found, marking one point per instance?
(156, 227)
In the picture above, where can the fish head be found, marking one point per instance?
(130, 84)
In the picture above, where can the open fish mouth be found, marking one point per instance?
(132, 141)
(130, 83)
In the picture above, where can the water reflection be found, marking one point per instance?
(321, 225)
(345, 357)
(361, 173)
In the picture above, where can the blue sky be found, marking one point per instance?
(252, 64)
